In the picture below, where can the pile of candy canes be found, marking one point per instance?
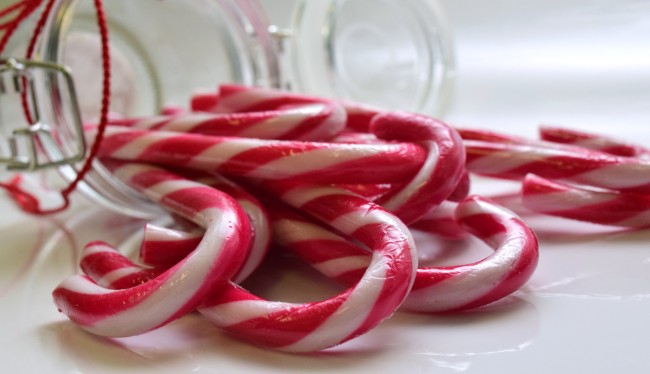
(340, 186)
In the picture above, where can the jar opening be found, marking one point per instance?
(397, 56)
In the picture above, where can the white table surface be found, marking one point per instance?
(583, 64)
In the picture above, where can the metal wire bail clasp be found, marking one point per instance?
(32, 137)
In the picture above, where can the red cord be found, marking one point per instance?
(25, 200)
(10, 27)
(11, 8)
(106, 95)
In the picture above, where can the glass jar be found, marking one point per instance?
(398, 56)
(395, 54)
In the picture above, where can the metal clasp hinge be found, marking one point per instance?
(39, 145)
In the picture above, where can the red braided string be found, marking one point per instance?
(11, 8)
(10, 27)
(4, 12)
(106, 95)
(25, 200)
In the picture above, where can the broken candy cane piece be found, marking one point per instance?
(318, 325)
(584, 204)
(179, 289)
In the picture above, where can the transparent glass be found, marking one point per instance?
(161, 52)
(393, 54)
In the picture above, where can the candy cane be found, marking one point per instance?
(163, 247)
(154, 251)
(319, 325)
(589, 168)
(436, 289)
(592, 141)
(309, 122)
(331, 254)
(496, 276)
(267, 159)
(234, 99)
(441, 172)
(584, 204)
(182, 287)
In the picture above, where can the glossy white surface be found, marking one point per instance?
(575, 63)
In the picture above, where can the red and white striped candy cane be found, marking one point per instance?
(515, 257)
(436, 289)
(179, 289)
(161, 246)
(314, 122)
(583, 204)
(318, 325)
(331, 254)
(267, 159)
(513, 161)
(235, 98)
(592, 141)
(443, 174)
(440, 174)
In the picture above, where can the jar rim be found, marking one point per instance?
(330, 55)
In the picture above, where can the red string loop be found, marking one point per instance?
(28, 202)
